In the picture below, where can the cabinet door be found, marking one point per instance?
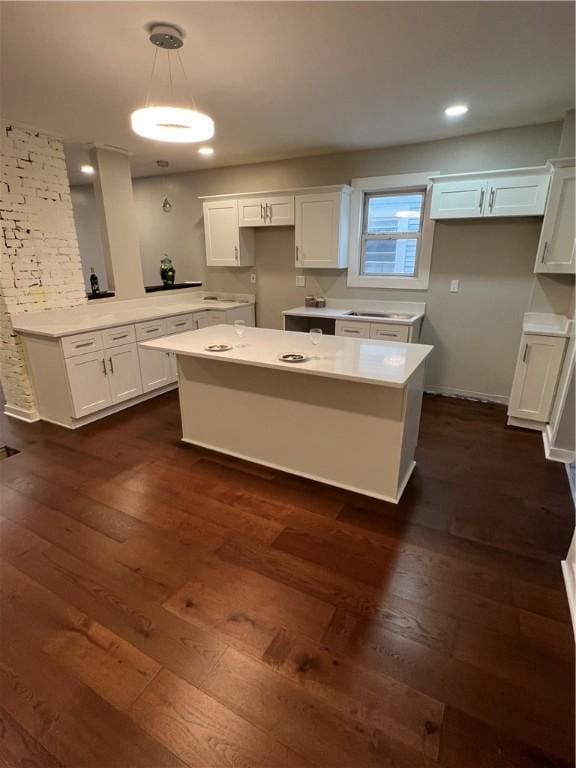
(156, 368)
(251, 212)
(124, 372)
(556, 247)
(354, 329)
(221, 233)
(317, 236)
(458, 199)
(536, 377)
(389, 332)
(279, 211)
(201, 320)
(517, 196)
(88, 379)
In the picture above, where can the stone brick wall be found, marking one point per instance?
(39, 263)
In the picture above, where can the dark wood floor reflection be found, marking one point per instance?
(166, 606)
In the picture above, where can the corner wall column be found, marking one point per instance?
(117, 213)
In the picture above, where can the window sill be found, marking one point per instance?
(399, 283)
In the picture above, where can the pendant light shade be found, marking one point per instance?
(173, 124)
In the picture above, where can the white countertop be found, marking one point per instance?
(340, 310)
(65, 322)
(385, 363)
(540, 323)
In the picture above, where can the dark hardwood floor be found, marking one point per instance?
(167, 606)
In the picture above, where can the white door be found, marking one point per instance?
(251, 212)
(458, 199)
(156, 368)
(536, 377)
(557, 245)
(202, 320)
(317, 230)
(279, 211)
(124, 372)
(88, 379)
(517, 196)
(221, 233)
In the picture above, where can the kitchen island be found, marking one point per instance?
(348, 416)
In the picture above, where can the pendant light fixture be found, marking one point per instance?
(175, 124)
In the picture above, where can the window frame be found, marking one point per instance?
(401, 184)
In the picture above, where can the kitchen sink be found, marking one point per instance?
(386, 315)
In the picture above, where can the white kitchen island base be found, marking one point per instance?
(348, 416)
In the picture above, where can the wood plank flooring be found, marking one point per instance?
(165, 606)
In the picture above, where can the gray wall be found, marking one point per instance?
(475, 331)
(88, 233)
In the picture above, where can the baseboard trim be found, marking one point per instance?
(551, 452)
(571, 472)
(308, 475)
(21, 414)
(466, 394)
(570, 584)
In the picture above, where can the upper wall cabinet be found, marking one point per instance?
(502, 193)
(322, 222)
(556, 247)
(266, 211)
(226, 244)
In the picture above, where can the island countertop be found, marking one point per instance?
(383, 363)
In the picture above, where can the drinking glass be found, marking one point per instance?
(315, 335)
(239, 327)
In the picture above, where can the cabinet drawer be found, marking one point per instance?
(179, 324)
(217, 317)
(114, 337)
(389, 332)
(355, 329)
(150, 330)
(81, 343)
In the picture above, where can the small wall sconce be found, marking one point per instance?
(166, 205)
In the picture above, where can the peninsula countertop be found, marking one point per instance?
(368, 361)
(341, 310)
(55, 323)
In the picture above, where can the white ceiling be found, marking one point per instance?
(283, 79)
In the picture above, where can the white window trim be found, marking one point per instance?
(405, 182)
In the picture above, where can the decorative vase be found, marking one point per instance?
(167, 271)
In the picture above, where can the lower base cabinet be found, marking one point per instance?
(536, 377)
(101, 379)
(158, 368)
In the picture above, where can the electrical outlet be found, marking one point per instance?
(253, 277)
(300, 281)
(454, 286)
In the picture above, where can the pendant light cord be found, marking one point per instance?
(151, 76)
(188, 88)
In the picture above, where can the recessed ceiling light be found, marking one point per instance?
(206, 151)
(87, 169)
(456, 110)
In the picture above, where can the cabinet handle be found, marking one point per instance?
(84, 344)
(236, 252)
(383, 333)
(111, 365)
(525, 355)
(262, 214)
(151, 330)
(544, 252)
(491, 201)
(269, 212)
(481, 203)
(123, 336)
(297, 255)
(178, 325)
(104, 367)
(349, 330)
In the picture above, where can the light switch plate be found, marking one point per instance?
(300, 281)
(454, 286)
(253, 277)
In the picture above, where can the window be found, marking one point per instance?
(392, 226)
(391, 233)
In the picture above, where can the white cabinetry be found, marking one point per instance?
(88, 381)
(322, 221)
(123, 372)
(266, 211)
(557, 245)
(201, 320)
(157, 369)
(500, 193)
(380, 331)
(536, 377)
(226, 244)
